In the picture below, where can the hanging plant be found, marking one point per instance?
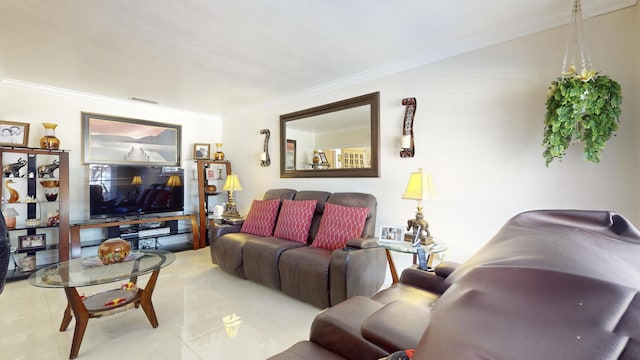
(582, 108)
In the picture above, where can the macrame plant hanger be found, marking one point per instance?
(576, 44)
(576, 47)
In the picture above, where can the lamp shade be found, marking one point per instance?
(136, 180)
(174, 180)
(232, 183)
(419, 187)
(10, 212)
(414, 189)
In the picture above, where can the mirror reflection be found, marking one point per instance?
(333, 140)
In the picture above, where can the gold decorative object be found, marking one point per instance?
(51, 188)
(113, 251)
(14, 196)
(210, 189)
(218, 155)
(49, 140)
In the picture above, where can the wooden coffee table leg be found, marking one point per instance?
(66, 318)
(82, 318)
(145, 299)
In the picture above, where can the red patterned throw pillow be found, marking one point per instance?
(294, 220)
(261, 217)
(338, 225)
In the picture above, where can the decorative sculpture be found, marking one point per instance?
(48, 169)
(13, 169)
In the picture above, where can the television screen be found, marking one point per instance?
(119, 191)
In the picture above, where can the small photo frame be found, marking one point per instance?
(32, 242)
(14, 133)
(391, 233)
(323, 158)
(201, 151)
(211, 173)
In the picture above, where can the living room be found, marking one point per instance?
(478, 130)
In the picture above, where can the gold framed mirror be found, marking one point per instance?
(339, 139)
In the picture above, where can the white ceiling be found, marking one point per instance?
(224, 57)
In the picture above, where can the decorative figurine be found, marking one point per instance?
(13, 169)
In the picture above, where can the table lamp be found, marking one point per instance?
(232, 184)
(174, 180)
(415, 191)
(10, 217)
(137, 180)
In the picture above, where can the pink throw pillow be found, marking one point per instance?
(294, 220)
(338, 225)
(261, 217)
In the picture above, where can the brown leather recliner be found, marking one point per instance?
(552, 284)
(317, 276)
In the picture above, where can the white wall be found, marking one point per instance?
(34, 105)
(479, 125)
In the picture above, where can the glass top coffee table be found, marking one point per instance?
(75, 273)
(408, 248)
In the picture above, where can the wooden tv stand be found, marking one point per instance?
(75, 229)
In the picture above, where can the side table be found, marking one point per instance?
(407, 248)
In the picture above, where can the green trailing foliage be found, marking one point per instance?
(584, 108)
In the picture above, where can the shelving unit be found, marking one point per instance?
(20, 172)
(210, 172)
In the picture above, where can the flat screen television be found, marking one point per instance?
(119, 191)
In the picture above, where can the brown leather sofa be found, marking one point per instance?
(552, 284)
(317, 276)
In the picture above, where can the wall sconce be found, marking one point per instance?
(407, 147)
(264, 156)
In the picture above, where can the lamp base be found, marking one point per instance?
(230, 211)
(424, 240)
(419, 227)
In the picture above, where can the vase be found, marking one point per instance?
(113, 251)
(49, 140)
(210, 189)
(218, 155)
(51, 188)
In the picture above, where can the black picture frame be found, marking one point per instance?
(32, 242)
(124, 141)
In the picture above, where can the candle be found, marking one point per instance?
(406, 141)
(263, 156)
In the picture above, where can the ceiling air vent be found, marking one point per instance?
(143, 100)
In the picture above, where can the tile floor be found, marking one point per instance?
(191, 299)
